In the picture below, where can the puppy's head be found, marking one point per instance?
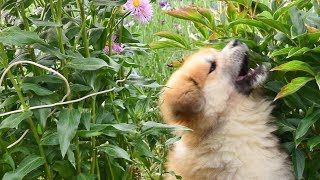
(228, 67)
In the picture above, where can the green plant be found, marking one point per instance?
(71, 107)
(285, 34)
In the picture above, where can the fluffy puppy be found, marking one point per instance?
(231, 138)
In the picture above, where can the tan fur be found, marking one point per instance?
(231, 137)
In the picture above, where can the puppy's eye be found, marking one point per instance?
(212, 67)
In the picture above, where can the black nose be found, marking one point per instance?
(235, 43)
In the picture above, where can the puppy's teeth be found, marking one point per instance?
(257, 65)
(251, 69)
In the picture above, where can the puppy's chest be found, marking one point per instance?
(210, 154)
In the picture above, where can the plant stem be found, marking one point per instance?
(84, 32)
(110, 167)
(26, 27)
(93, 139)
(78, 155)
(4, 58)
(98, 169)
(59, 28)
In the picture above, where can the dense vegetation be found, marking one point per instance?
(80, 80)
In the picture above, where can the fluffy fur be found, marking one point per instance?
(231, 137)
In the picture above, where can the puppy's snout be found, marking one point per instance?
(235, 43)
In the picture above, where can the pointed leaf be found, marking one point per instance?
(44, 23)
(50, 138)
(9, 160)
(191, 14)
(276, 25)
(17, 37)
(298, 160)
(165, 44)
(88, 64)
(250, 22)
(298, 52)
(27, 165)
(36, 89)
(283, 51)
(9, 100)
(15, 119)
(293, 86)
(173, 36)
(67, 126)
(48, 49)
(114, 151)
(313, 142)
(318, 80)
(306, 123)
(285, 9)
(295, 65)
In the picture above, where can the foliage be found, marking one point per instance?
(85, 113)
(285, 34)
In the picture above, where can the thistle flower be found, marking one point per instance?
(165, 5)
(116, 47)
(140, 9)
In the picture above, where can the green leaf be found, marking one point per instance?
(283, 51)
(276, 25)
(9, 160)
(142, 149)
(109, 3)
(123, 127)
(164, 43)
(295, 65)
(85, 177)
(194, 14)
(114, 151)
(50, 138)
(151, 126)
(298, 26)
(67, 126)
(285, 9)
(293, 86)
(36, 89)
(313, 142)
(298, 52)
(173, 36)
(88, 64)
(44, 23)
(27, 165)
(15, 119)
(318, 80)
(298, 160)
(9, 100)
(89, 133)
(306, 123)
(250, 22)
(49, 49)
(45, 78)
(17, 37)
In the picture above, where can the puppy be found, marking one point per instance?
(232, 138)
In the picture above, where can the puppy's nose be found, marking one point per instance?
(235, 43)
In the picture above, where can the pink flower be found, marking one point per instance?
(140, 9)
(116, 47)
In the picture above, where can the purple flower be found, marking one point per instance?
(163, 3)
(140, 9)
(214, 6)
(116, 47)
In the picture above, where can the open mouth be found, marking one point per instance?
(248, 79)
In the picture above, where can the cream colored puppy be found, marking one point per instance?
(231, 138)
